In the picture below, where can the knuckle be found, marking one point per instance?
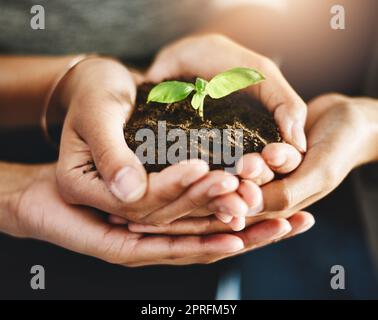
(137, 216)
(335, 97)
(330, 177)
(103, 159)
(193, 201)
(214, 38)
(173, 254)
(329, 100)
(64, 182)
(113, 249)
(166, 196)
(267, 65)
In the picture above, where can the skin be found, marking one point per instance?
(332, 124)
(40, 201)
(31, 207)
(25, 80)
(192, 56)
(93, 130)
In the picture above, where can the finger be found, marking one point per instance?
(237, 223)
(117, 164)
(281, 157)
(231, 204)
(252, 195)
(270, 231)
(214, 184)
(300, 222)
(188, 226)
(253, 167)
(267, 232)
(164, 249)
(264, 232)
(166, 187)
(280, 98)
(224, 217)
(169, 184)
(305, 182)
(226, 207)
(116, 220)
(291, 119)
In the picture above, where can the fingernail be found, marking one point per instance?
(278, 161)
(249, 174)
(221, 188)
(280, 236)
(224, 217)
(237, 224)
(128, 185)
(305, 228)
(256, 210)
(254, 173)
(282, 233)
(299, 138)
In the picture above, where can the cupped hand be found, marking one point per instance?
(205, 56)
(99, 95)
(342, 135)
(35, 209)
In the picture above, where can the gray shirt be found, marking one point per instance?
(129, 29)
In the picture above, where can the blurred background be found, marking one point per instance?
(313, 57)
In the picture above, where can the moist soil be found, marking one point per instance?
(235, 111)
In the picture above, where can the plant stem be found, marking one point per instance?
(200, 111)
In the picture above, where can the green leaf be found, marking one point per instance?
(170, 91)
(201, 85)
(197, 100)
(232, 80)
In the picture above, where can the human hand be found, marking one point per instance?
(207, 55)
(334, 122)
(31, 207)
(99, 95)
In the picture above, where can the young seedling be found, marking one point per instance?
(218, 87)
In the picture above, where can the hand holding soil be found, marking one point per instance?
(68, 204)
(206, 56)
(329, 159)
(99, 95)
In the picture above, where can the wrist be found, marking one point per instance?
(91, 74)
(63, 90)
(15, 180)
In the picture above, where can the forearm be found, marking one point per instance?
(24, 83)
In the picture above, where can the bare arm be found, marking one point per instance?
(24, 82)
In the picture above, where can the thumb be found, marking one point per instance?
(116, 163)
(280, 98)
(318, 175)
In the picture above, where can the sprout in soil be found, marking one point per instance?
(218, 87)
